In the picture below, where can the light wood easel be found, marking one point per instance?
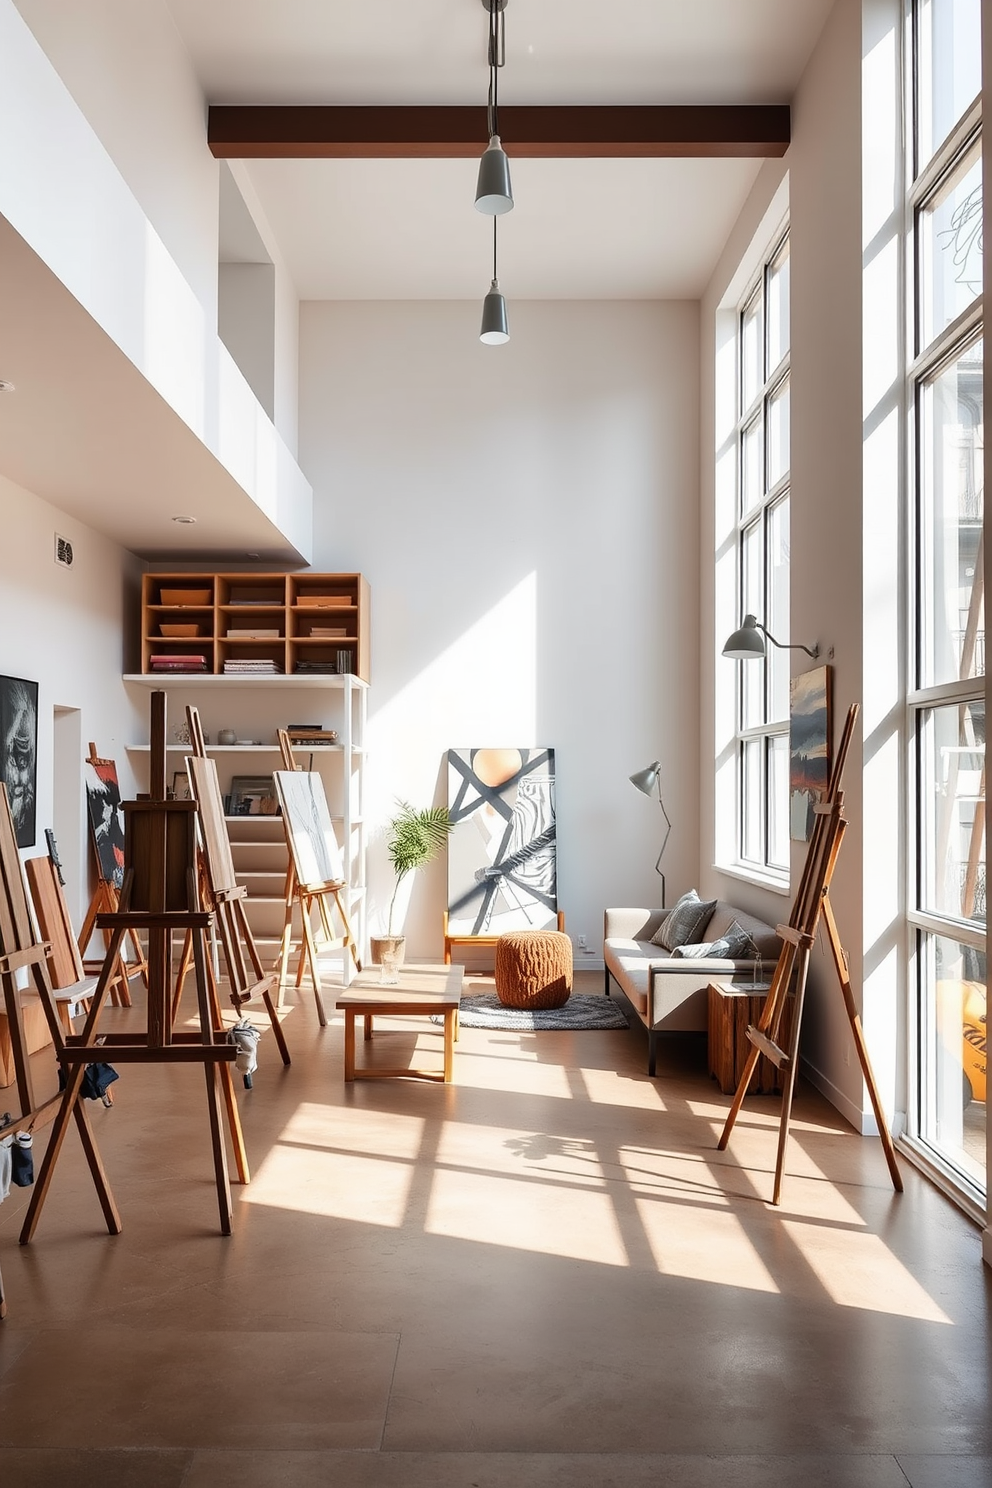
(798, 938)
(159, 897)
(106, 900)
(477, 940)
(222, 893)
(20, 950)
(310, 897)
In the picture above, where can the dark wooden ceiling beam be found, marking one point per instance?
(247, 131)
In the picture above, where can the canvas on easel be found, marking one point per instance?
(316, 877)
(106, 822)
(247, 981)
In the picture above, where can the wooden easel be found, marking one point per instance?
(798, 938)
(159, 897)
(310, 897)
(106, 900)
(21, 950)
(223, 894)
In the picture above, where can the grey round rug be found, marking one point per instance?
(580, 1011)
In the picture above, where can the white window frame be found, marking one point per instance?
(769, 729)
(926, 362)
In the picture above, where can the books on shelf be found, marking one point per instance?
(189, 663)
(252, 666)
(252, 633)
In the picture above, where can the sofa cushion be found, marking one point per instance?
(735, 944)
(686, 922)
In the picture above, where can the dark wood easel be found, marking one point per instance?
(159, 897)
(223, 894)
(21, 950)
(798, 938)
(311, 897)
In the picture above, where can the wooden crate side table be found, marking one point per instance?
(729, 1011)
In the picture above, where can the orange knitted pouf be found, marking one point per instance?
(533, 969)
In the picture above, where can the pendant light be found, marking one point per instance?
(493, 193)
(495, 329)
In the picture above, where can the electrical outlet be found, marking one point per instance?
(580, 941)
(63, 551)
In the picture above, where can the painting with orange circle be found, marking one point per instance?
(502, 867)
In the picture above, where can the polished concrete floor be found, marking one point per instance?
(543, 1274)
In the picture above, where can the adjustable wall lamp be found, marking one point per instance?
(749, 642)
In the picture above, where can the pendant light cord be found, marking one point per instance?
(495, 275)
(497, 57)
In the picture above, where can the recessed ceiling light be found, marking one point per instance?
(6, 387)
(185, 521)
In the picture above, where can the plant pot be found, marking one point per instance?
(391, 944)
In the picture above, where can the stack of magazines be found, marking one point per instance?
(255, 666)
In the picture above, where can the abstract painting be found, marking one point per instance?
(103, 807)
(502, 865)
(19, 753)
(309, 829)
(810, 735)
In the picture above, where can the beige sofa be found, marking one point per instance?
(668, 993)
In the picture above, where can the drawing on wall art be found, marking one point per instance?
(810, 735)
(103, 807)
(502, 867)
(19, 753)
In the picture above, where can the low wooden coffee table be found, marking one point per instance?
(421, 990)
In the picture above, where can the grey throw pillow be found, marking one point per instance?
(707, 950)
(740, 945)
(686, 922)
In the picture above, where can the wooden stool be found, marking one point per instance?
(533, 969)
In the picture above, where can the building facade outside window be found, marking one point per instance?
(762, 554)
(947, 903)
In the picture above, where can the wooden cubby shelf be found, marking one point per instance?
(301, 624)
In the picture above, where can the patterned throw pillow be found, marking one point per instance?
(735, 945)
(686, 921)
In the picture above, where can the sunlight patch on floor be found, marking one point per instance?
(703, 1246)
(859, 1270)
(654, 1172)
(336, 1185)
(606, 1087)
(499, 1149)
(533, 1215)
(521, 1073)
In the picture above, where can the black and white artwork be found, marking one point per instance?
(103, 807)
(502, 865)
(309, 829)
(19, 753)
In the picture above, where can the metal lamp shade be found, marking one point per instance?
(647, 779)
(495, 329)
(747, 643)
(493, 194)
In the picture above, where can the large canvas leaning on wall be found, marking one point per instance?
(103, 807)
(19, 753)
(502, 864)
(810, 736)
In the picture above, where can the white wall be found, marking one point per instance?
(126, 67)
(523, 514)
(826, 514)
(65, 629)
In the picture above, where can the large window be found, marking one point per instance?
(762, 543)
(947, 694)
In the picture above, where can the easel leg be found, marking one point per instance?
(311, 946)
(208, 1005)
(802, 972)
(840, 962)
(60, 1126)
(224, 1204)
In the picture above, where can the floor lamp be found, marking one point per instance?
(649, 782)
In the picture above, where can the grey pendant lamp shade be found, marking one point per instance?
(495, 329)
(493, 193)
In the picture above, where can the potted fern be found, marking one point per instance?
(415, 839)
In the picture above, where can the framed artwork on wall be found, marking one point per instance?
(19, 753)
(810, 747)
(502, 852)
